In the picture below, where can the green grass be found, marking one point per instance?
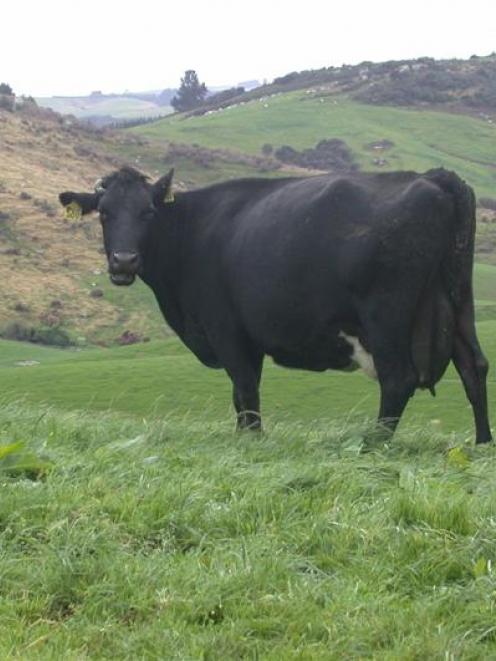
(423, 139)
(484, 282)
(177, 539)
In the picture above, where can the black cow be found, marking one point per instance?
(323, 272)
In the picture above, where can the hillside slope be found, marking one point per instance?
(467, 86)
(49, 266)
(416, 139)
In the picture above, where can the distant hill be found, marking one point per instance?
(103, 109)
(467, 86)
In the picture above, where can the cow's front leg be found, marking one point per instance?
(245, 373)
(244, 365)
(246, 399)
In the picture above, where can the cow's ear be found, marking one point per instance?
(79, 204)
(162, 190)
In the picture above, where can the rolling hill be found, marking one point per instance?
(102, 109)
(50, 284)
(417, 139)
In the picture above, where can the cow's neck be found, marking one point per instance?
(163, 260)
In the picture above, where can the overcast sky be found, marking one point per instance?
(69, 48)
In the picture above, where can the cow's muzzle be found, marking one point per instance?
(123, 267)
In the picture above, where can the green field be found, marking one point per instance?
(135, 524)
(423, 139)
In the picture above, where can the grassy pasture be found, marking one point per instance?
(423, 139)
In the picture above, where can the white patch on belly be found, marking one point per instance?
(360, 356)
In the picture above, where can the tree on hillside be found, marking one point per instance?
(191, 93)
(7, 98)
(6, 89)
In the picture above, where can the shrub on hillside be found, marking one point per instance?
(7, 102)
(51, 336)
(7, 97)
(487, 203)
(333, 155)
(225, 95)
(128, 337)
(206, 158)
(435, 83)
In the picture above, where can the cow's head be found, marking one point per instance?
(129, 207)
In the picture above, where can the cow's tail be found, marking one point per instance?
(449, 288)
(458, 263)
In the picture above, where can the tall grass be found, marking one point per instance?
(179, 539)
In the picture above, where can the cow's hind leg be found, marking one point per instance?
(390, 347)
(396, 390)
(472, 367)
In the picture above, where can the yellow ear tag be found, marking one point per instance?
(73, 211)
(169, 196)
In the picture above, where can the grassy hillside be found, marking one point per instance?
(422, 139)
(467, 86)
(49, 266)
(134, 524)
